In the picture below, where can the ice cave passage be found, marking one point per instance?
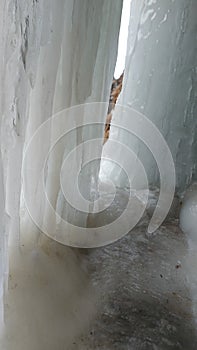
(98, 243)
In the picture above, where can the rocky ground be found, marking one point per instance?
(136, 294)
(144, 294)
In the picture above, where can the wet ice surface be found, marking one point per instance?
(138, 293)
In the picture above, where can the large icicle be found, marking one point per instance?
(54, 55)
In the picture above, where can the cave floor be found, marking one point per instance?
(138, 294)
(146, 288)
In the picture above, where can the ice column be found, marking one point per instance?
(54, 55)
(161, 82)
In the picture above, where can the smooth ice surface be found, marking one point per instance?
(160, 81)
(188, 214)
(53, 55)
(188, 224)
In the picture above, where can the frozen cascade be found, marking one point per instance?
(56, 55)
(160, 82)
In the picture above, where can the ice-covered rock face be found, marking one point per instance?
(53, 55)
(160, 80)
(188, 214)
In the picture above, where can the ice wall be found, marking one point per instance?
(188, 213)
(57, 54)
(54, 55)
(160, 80)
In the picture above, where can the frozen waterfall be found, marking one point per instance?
(56, 176)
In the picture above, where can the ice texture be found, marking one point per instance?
(188, 214)
(54, 55)
(161, 82)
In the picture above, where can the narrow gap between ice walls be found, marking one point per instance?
(120, 65)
